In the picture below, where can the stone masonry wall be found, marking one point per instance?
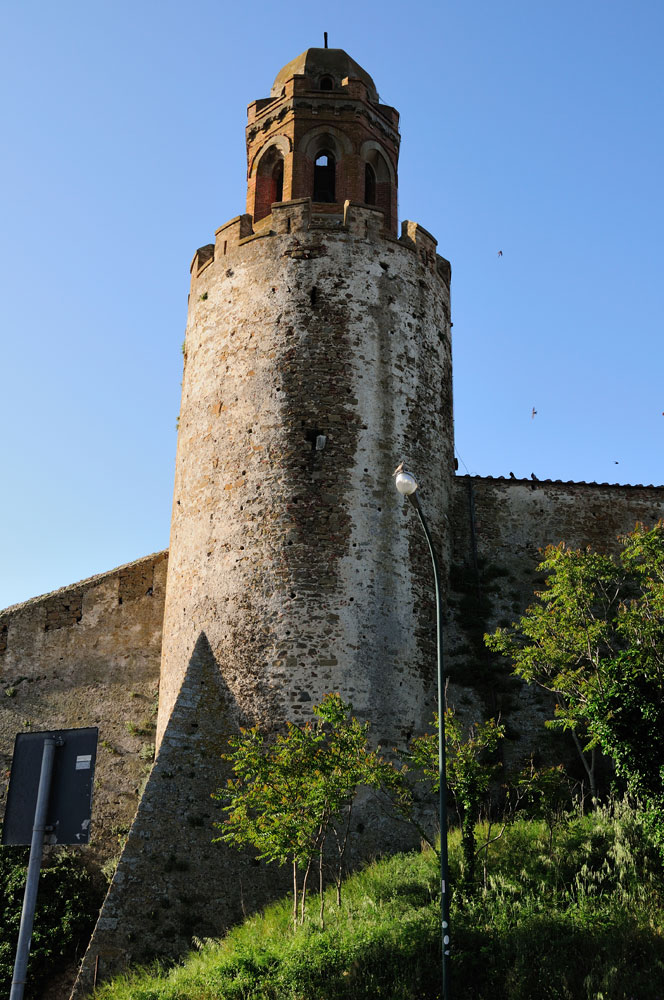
(88, 655)
(499, 527)
(317, 357)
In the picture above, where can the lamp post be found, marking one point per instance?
(406, 484)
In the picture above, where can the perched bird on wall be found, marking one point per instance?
(534, 477)
(512, 476)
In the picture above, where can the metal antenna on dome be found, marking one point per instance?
(325, 37)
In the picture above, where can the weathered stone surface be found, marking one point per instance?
(172, 882)
(296, 561)
(88, 655)
(500, 527)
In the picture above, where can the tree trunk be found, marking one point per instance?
(589, 768)
(320, 888)
(303, 892)
(468, 848)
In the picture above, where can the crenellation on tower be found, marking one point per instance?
(203, 257)
(301, 215)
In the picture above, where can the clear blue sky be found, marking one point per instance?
(528, 127)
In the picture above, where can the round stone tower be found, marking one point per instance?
(317, 357)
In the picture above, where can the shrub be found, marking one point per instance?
(67, 907)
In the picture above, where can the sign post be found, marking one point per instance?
(34, 866)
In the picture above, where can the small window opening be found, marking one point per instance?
(324, 177)
(326, 83)
(278, 181)
(369, 185)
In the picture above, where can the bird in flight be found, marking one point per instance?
(500, 253)
(533, 413)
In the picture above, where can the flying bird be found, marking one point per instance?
(533, 413)
(500, 253)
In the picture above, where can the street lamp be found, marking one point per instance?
(406, 484)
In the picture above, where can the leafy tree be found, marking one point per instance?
(545, 794)
(288, 795)
(594, 637)
(469, 769)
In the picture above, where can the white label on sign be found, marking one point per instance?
(83, 762)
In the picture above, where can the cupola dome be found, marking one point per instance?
(324, 67)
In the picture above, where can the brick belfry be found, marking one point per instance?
(317, 357)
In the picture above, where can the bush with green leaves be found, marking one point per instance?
(292, 793)
(594, 637)
(67, 907)
(470, 769)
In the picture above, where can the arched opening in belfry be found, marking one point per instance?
(269, 182)
(324, 177)
(378, 183)
(326, 83)
(369, 184)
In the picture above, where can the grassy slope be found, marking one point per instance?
(583, 920)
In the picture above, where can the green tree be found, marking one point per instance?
(289, 794)
(545, 794)
(470, 769)
(594, 637)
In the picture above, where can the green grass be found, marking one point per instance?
(582, 920)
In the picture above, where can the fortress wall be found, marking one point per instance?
(88, 655)
(515, 518)
(499, 527)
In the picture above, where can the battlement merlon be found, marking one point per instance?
(299, 216)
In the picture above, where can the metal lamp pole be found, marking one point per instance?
(406, 484)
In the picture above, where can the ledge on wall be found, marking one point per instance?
(530, 481)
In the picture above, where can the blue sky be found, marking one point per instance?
(531, 128)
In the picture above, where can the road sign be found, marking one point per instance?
(70, 801)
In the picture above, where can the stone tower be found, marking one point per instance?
(317, 356)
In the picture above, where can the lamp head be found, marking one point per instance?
(404, 482)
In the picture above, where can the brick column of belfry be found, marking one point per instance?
(317, 357)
